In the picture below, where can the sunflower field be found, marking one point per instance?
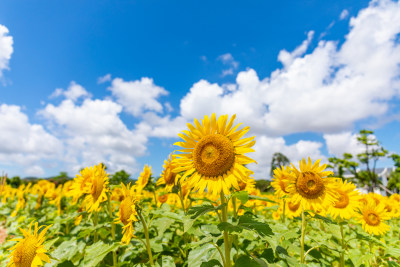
(203, 211)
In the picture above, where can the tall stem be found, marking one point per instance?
(155, 196)
(181, 198)
(343, 246)
(146, 234)
(227, 246)
(115, 260)
(303, 231)
(284, 210)
(234, 207)
(95, 220)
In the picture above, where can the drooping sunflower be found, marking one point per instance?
(311, 186)
(212, 155)
(292, 209)
(372, 218)
(127, 213)
(348, 202)
(143, 178)
(81, 184)
(29, 251)
(98, 189)
(280, 181)
(168, 177)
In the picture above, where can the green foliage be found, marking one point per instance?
(278, 160)
(120, 177)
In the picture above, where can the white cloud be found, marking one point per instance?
(24, 143)
(287, 58)
(341, 143)
(93, 132)
(344, 14)
(6, 48)
(228, 60)
(266, 146)
(74, 92)
(138, 96)
(103, 79)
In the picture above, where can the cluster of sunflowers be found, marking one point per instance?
(312, 188)
(209, 167)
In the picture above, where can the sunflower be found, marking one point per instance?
(280, 181)
(292, 209)
(98, 189)
(81, 184)
(348, 202)
(29, 251)
(310, 185)
(212, 155)
(127, 213)
(168, 177)
(143, 178)
(372, 218)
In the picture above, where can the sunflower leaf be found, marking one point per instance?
(247, 221)
(243, 196)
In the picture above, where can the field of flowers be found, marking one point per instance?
(204, 211)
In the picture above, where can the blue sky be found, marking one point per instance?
(305, 75)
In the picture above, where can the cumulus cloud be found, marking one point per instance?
(6, 48)
(73, 92)
(138, 96)
(93, 133)
(103, 79)
(346, 142)
(24, 143)
(344, 14)
(228, 60)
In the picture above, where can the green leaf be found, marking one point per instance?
(199, 255)
(262, 198)
(65, 251)
(225, 226)
(211, 263)
(243, 196)
(245, 260)
(165, 261)
(248, 222)
(197, 211)
(392, 251)
(95, 253)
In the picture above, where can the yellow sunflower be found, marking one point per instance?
(372, 218)
(29, 251)
(292, 209)
(280, 181)
(81, 184)
(310, 185)
(212, 155)
(348, 202)
(98, 189)
(143, 178)
(168, 177)
(127, 213)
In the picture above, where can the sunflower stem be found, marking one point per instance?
(234, 207)
(181, 198)
(115, 260)
(284, 208)
(303, 231)
(227, 246)
(155, 197)
(343, 247)
(95, 220)
(146, 234)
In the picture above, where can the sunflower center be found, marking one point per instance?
(163, 198)
(213, 155)
(169, 176)
(26, 252)
(372, 218)
(97, 188)
(283, 186)
(343, 200)
(293, 206)
(388, 208)
(310, 185)
(125, 210)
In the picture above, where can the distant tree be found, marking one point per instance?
(373, 152)
(263, 185)
(339, 165)
(394, 177)
(278, 160)
(15, 181)
(120, 177)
